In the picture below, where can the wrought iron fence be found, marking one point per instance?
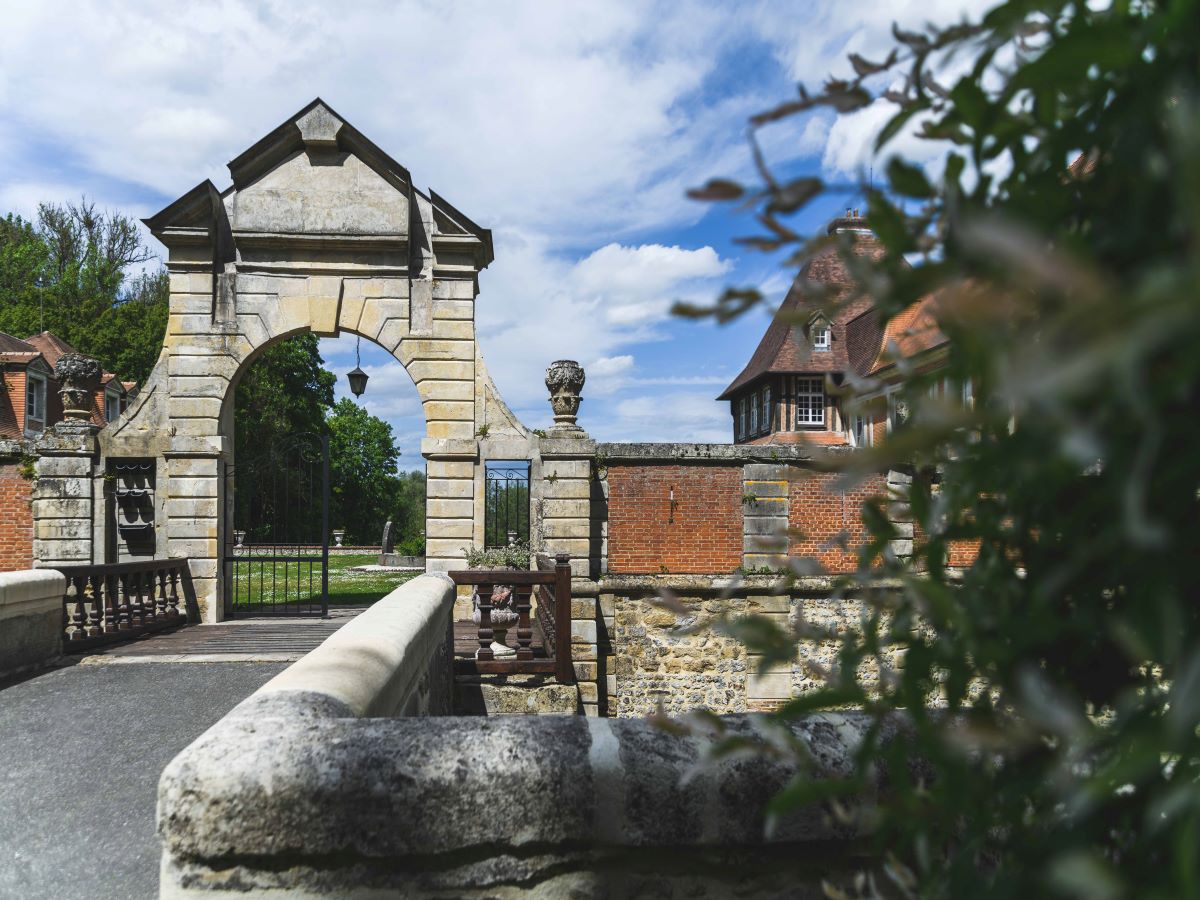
(277, 550)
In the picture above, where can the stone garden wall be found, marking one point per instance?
(655, 656)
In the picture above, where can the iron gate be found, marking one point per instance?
(277, 548)
(506, 503)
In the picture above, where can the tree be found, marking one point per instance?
(283, 395)
(128, 336)
(363, 457)
(1064, 761)
(69, 274)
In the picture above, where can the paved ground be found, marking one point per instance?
(81, 749)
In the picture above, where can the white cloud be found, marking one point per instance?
(585, 310)
(673, 416)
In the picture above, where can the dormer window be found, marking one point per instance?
(112, 406)
(35, 403)
(820, 335)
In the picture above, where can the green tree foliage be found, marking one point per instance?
(68, 273)
(1067, 656)
(288, 392)
(365, 487)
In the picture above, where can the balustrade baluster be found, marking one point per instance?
(524, 631)
(124, 620)
(111, 592)
(94, 609)
(160, 604)
(173, 597)
(78, 632)
(485, 623)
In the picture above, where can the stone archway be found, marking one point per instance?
(320, 231)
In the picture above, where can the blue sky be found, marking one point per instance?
(570, 129)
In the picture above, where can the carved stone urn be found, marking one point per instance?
(564, 380)
(79, 376)
(503, 617)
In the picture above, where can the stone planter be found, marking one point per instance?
(503, 617)
(338, 536)
(239, 537)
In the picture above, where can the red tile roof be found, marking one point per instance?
(823, 282)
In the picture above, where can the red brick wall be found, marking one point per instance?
(16, 519)
(702, 534)
(12, 405)
(817, 512)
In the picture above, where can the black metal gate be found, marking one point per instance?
(277, 548)
(506, 503)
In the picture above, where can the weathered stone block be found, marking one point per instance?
(437, 508)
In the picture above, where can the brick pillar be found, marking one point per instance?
(64, 499)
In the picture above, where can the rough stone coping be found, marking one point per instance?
(31, 591)
(369, 666)
(623, 452)
(705, 584)
(295, 795)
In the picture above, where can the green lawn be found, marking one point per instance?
(291, 582)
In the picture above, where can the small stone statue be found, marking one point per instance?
(79, 376)
(564, 379)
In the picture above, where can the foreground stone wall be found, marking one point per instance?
(31, 610)
(329, 805)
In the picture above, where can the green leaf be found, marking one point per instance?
(908, 180)
(792, 196)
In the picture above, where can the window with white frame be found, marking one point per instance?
(810, 401)
(112, 406)
(864, 430)
(35, 402)
(754, 413)
(766, 409)
(741, 418)
(820, 335)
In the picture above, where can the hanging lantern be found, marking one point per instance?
(358, 381)
(357, 377)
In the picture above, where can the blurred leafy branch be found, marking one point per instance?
(1060, 238)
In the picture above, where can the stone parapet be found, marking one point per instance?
(31, 616)
(394, 659)
(332, 805)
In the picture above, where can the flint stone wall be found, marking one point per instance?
(682, 662)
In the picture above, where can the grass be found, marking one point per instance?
(291, 584)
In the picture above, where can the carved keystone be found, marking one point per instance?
(319, 128)
(564, 379)
(79, 376)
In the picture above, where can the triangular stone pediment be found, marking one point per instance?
(319, 191)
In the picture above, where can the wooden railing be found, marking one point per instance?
(107, 603)
(553, 616)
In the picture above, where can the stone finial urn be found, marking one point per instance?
(79, 376)
(564, 379)
(503, 616)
